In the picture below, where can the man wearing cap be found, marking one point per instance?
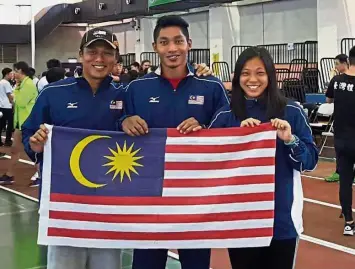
(88, 102)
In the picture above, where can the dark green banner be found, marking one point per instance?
(153, 3)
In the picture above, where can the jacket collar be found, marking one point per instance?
(24, 81)
(105, 84)
(189, 68)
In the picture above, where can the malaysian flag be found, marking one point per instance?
(209, 189)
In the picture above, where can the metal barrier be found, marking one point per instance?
(296, 68)
(281, 75)
(346, 44)
(221, 71)
(284, 53)
(235, 52)
(199, 56)
(153, 57)
(128, 59)
(311, 52)
(294, 89)
(326, 65)
(312, 80)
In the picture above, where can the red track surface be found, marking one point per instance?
(320, 221)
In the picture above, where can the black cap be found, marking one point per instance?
(99, 34)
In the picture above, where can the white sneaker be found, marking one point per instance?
(349, 229)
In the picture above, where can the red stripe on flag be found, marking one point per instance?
(248, 162)
(220, 148)
(171, 132)
(216, 182)
(146, 201)
(166, 236)
(191, 218)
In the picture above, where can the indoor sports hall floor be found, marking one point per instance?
(322, 246)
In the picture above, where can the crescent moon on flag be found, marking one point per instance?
(75, 161)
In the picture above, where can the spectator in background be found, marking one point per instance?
(145, 65)
(117, 70)
(130, 76)
(6, 101)
(135, 66)
(32, 76)
(55, 74)
(78, 72)
(25, 96)
(44, 74)
(341, 66)
(152, 69)
(43, 81)
(69, 74)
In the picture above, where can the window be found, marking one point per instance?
(8, 53)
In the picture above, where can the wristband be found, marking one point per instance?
(292, 142)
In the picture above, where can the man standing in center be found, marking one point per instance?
(171, 97)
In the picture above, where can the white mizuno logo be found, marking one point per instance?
(154, 99)
(72, 105)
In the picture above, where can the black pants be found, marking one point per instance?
(279, 255)
(346, 160)
(8, 121)
(336, 163)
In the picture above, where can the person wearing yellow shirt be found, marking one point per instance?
(25, 95)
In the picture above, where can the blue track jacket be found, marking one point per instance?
(290, 162)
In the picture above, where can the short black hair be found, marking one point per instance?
(145, 61)
(54, 74)
(32, 72)
(69, 74)
(342, 58)
(6, 71)
(53, 63)
(119, 59)
(135, 64)
(23, 66)
(169, 21)
(352, 56)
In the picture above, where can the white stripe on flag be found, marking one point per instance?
(174, 210)
(161, 227)
(222, 173)
(220, 190)
(139, 244)
(219, 157)
(220, 140)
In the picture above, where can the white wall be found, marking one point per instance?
(126, 36)
(142, 39)
(224, 32)
(10, 14)
(11, 11)
(336, 21)
(198, 29)
(63, 43)
(279, 22)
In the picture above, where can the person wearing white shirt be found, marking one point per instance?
(43, 81)
(32, 75)
(6, 101)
